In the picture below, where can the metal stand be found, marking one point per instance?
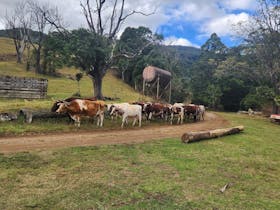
(166, 91)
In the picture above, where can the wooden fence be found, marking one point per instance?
(23, 87)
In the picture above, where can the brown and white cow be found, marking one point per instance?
(117, 105)
(177, 110)
(191, 110)
(55, 106)
(154, 109)
(78, 108)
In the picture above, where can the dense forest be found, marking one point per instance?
(240, 77)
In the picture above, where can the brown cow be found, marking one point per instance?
(154, 109)
(78, 108)
(191, 110)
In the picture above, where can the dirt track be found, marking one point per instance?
(136, 135)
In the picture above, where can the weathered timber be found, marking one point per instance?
(30, 114)
(23, 87)
(197, 136)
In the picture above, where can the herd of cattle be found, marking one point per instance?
(78, 108)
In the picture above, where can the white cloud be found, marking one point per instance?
(197, 10)
(224, 26)
(239, 4)
(172, 40)
(208, 15)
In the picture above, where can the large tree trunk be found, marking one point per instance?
(38, 61)
(200, 135)
(19, 58)
(97, 87)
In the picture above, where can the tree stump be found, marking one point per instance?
(197, 136)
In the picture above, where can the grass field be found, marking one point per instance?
(163, 174)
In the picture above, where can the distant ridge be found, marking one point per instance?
(34, 34)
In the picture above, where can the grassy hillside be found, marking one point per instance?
(156, 175)
(59, 87)
(6, 46)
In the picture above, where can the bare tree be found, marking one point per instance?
(40, 24)
(105, 18)
(17, 24)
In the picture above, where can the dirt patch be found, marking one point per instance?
(135, 135)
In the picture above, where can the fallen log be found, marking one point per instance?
(197, 136)
(30, 114)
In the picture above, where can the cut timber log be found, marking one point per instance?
(197, 136)
(30, 114)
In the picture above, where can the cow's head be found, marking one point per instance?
(147, 106)
(55, 106)
(111, 109)
(62, 107)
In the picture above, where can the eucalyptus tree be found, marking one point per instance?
(104, 19)
(263, 38)
(17, 24)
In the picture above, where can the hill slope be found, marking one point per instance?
(59, 87)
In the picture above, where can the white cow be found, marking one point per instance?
(177, 109)
(118, 105)
(130, 110)
(201, 112)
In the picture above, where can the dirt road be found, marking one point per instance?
(135, 135)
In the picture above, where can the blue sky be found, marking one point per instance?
(182, 22)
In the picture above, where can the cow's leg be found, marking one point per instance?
(171, 118)
(78, 122)
(101, 119)
(123, 120)
(98, 120)
(134, 121)
(150, 115)
(140, 120)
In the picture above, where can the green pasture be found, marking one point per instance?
(63, 87)
(58, 88)
(164, 174)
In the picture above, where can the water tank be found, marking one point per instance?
(151, 73)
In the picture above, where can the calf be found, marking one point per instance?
(78, 108)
